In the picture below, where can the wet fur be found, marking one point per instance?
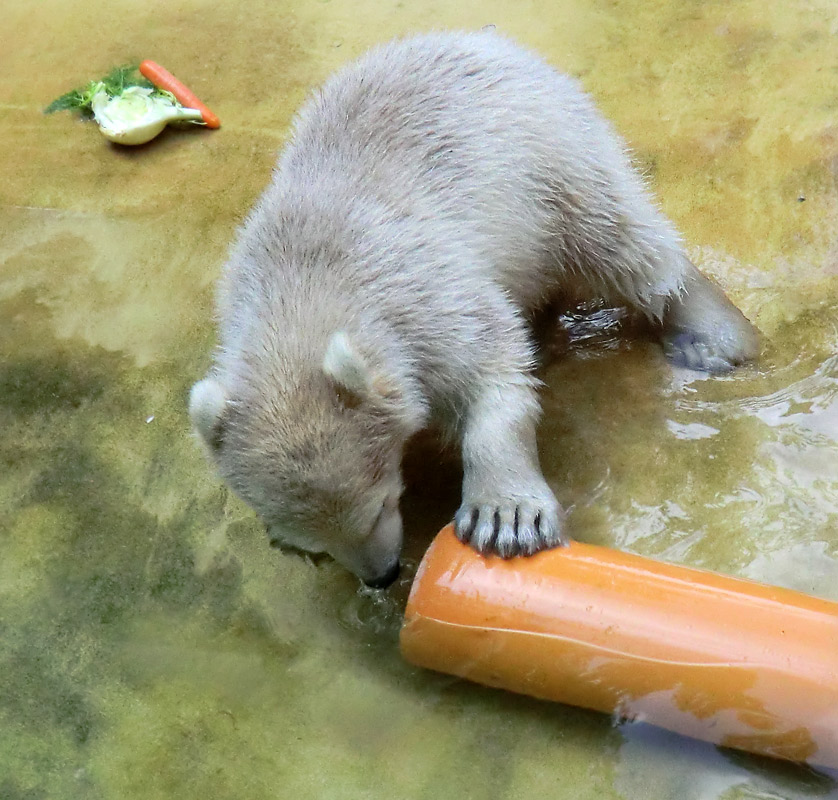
(434, 195)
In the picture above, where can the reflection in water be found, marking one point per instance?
(751, 466)
(691, 430)
(791, 494)
(704, 772)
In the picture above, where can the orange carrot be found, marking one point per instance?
(164, 79)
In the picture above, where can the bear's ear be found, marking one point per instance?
(356, 383)
(207, 409)
(346, 368)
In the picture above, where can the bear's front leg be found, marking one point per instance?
(507, 507)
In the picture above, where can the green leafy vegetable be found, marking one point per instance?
(128, 108)
(72, 101)
(114, 83)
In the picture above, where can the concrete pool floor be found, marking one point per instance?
(151, 643)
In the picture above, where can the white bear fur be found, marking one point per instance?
(434, 194)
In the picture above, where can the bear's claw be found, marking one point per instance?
(510, 529)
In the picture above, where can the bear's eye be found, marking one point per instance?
(315, 556)
(378, 516)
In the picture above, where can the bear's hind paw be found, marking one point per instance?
(685, 349)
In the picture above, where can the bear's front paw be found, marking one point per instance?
(511, 527)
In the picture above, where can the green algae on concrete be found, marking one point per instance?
(151, 644)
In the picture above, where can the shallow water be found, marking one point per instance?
(152, 643)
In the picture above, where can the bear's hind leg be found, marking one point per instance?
(632, 255)
(626, 251)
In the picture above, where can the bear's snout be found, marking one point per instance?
(387, 578)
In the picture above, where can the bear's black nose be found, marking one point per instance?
(383, 581)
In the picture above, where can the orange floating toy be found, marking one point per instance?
(721, 659)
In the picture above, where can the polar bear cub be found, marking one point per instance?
(434, 195)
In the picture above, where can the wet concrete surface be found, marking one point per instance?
(151, 643)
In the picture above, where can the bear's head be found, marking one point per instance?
(317, 454)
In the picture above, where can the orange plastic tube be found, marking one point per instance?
(721, 659)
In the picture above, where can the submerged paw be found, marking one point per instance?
(510, 528)
(705, 331)
(692, 352)
(697, 351)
